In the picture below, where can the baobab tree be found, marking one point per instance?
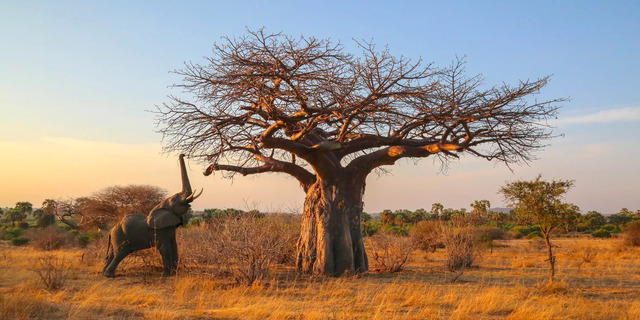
(304, 107)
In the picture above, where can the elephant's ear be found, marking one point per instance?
(162, 218)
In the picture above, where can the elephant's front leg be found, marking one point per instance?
(174, 256)
(166, 246)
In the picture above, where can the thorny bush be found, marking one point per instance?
(245, 247)
(53, 271)
(459, 241)
(632, 234)
(426, 235)
(49, 238)
(390, 252)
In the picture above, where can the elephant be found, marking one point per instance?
(137, 232)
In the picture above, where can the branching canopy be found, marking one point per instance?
(541, 201)
(302, 106)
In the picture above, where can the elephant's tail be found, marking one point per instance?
(108, 247)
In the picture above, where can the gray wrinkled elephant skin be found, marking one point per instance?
(157, 229)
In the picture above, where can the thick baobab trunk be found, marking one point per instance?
(331, 239)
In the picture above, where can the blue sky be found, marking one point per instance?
(77, 77)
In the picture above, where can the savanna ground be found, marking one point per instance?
(597, 279)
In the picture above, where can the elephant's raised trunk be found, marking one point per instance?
(186, 186)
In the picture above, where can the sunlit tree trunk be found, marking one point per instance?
(546, 233)
(331, 239)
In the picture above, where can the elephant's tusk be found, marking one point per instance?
(194, 196)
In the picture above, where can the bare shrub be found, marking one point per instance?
(95, 252)
(632, 234)
(538, 244)
(553, 288)
(254, 244)
(588, 254)
(459, 241)
(487, 234)
(245, 247)
(198, 246)
(288, 232)
(53, 271)
(147, 263)
(49, 238)
(493, 233)
(390, 252)
(426, 236)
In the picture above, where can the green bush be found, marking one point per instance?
(611, 228)
(582, 227)
(396, 230)
(11, 233)
(18, 241)
(490, 233)
(534, 234)
(196, 221)
(45, 220)
(371, 227)
(83, 240)
(601, 233)
(506, 226)
(521, 231)
(95, 234)
(23, 225)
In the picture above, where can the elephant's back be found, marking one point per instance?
(134, 218)
(134, 223)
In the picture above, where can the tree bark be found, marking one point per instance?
(71, 224)
(331, 241)
(552, 258)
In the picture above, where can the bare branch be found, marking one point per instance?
(304, 98)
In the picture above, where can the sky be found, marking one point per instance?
(78, 80)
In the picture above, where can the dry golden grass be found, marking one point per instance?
(597, 279)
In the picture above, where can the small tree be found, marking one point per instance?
(437, 208)
(620, 219)
(47, 214)
(541, 201)
(571, 214)
(24, 207)
(17, 214)
(387, 216)
(593, 220)
(481, 207)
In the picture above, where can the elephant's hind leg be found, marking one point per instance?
(108, 261)
(110, 270)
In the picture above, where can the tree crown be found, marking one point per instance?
(264, 100)
(540, 200)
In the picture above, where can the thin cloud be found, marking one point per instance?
(606, 116)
